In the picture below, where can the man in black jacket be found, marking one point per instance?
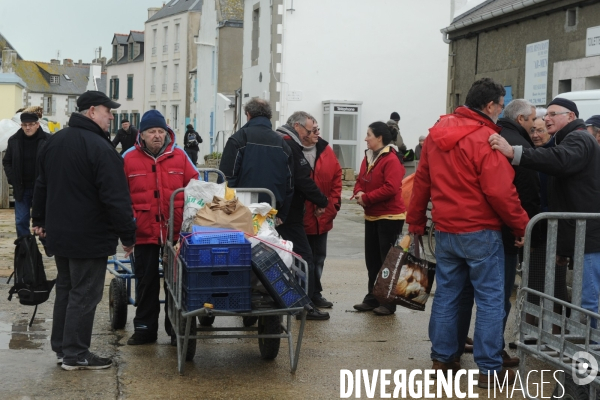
(517, 123)
(81, 204)
(21, 167)
(191, 142)
(257, 157)
(300, 125)
(127, 136)
(574, 184)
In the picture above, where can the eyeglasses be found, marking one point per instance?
(539, 131)
(316, 130)
(32, 125)
(501, 105)
(554, 114)
(307, 130)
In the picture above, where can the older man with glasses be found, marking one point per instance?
(21, 168)
(572, 165)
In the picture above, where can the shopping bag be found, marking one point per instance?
(225, 214)
(405, 278)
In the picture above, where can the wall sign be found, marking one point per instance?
(536, 72)
(592, 41)
(345, 109)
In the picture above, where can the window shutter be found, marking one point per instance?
(130, 87)
(110, 88)
(117, 88)
(45, 104)
(53, 103)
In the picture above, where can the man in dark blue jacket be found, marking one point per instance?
(257, 157)
(81, 204)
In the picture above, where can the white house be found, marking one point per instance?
(219, 71)
(171, 55)
(349, 64)
(125, 72)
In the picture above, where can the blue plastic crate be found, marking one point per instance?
(211, 235)
(231, 299)
(216, 277)
(210, 255)
(277, 278)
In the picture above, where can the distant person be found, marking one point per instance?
(593, 126)
(539, 135)
(21, 168)
(149, 169)
(378, 189)
(191, 142)
(419, 148)
(395, 117)
(327, 174)
(127, 136)
(397, 139)
(256, 147)
(81, 205)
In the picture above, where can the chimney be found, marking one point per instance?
(9, 59)
(152, 11)
(55, 61)
(67, 62)
(80, 62)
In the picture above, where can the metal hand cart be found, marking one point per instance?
(270, 329)
(576, 349)
(120, 288)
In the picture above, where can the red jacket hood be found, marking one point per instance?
(453, 127)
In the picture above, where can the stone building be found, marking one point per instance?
(536, 48)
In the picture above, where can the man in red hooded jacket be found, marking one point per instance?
(471, 189)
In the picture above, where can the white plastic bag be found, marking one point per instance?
(283, 247)
(8, 128)
(196, 195)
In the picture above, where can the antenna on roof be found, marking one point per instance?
(58, 54)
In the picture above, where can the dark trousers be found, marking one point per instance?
(380, 236)
(79, 288)
(193, 154)
(318, 245)
(147, 289)
(295, 233)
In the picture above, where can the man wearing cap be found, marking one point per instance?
(395, 116)
(593, 126)
(127, 136)
(419, 148)
(81, 205)
(21, 168)
(572, 165)
(155, 168)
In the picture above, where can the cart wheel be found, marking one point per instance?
(249, 321)
(117, 303)
(571, 390)
(207, 321)
(191, 349)
(269, 348)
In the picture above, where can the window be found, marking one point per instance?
(131, 51)
(572, 17)
(165, 79)
(255, 18)
(54, 79)
(164, 112)
(176, 47)
(175, 112)
(115, 123)
(564, 85)
(153, 41)
(71, 105)
(67, 77)
(153, 86)
(166, 40)
(114, 88)
(49, 105)
(115, 53)
(176, 79)
(130, 86)
(135, 118)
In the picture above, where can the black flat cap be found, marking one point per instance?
(594, 120)
(395, 116)
(29, 117)
(95, 98)
(566, 103)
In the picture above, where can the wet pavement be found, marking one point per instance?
(222, 368)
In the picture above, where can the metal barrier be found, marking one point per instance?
(575, 350)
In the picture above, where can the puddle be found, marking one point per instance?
(20, 336)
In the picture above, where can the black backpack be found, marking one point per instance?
(30, 284)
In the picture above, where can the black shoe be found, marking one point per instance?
(48, 254)
(316, 315)
(140, 338)
(91, 362)
(321, 301)
(364, 307)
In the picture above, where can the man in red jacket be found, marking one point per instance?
(327, 174)
(154, 168)
(473, 196)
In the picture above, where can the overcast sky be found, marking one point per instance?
(38, 29)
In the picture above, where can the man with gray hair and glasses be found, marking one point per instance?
(517, 124)
(300, 125)
(572, 166)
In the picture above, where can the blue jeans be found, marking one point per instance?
(590, 290)
(510, 271)
(23, 213)
(469, 266)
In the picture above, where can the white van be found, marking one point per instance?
(588, 102)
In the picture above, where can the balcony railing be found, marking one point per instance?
(152, 88)
(164, 87)
(154, 51)
(176, 87)
(166, 48)
(176, 48)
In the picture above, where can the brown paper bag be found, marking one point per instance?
(223, 213)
